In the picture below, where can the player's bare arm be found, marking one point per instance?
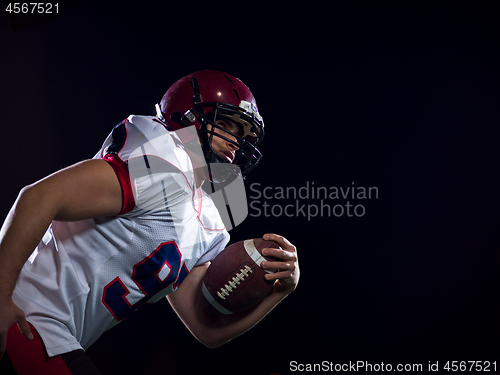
(86, 190)
(215, 330)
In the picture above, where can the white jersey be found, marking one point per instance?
(86, 276)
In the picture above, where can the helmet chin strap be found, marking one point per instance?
(218, 171)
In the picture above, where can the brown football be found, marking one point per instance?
(235, 282)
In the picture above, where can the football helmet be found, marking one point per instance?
(202, 98)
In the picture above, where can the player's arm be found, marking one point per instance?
(215, 330)
(86, 190)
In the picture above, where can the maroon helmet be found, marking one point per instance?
(202, 98)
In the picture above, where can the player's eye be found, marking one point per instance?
(231, 127)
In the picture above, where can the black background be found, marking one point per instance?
(399, 96)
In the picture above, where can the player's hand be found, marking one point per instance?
(10, 314)
(286, 271)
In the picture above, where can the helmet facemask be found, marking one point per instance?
(247, 156)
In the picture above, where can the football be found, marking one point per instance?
(234, 281)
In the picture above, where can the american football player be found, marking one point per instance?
(83, 248)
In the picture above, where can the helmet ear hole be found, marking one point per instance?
(176, 117)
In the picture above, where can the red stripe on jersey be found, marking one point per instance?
(121, 170)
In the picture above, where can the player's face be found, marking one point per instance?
(226, 150)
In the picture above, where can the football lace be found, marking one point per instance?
(232, 284)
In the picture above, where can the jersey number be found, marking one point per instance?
(151, 275)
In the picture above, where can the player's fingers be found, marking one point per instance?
(25, 328)
(280, 240)
(273, 266)
(281, 275)
(280, 254)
